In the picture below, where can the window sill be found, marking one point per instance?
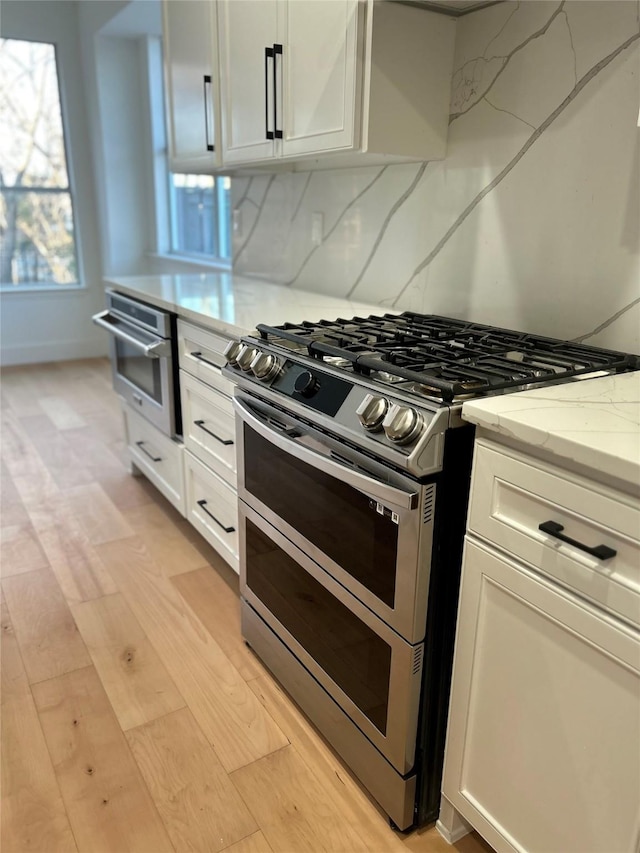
(189, 261)
(28, 289)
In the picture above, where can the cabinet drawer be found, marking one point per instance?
(208, 424)
(512, 495)
(212, 508)
(201, 353)
(157, 456)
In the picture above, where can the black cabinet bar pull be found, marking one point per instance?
(203, 504)
(140, 444)
(602, 552)
(200, 357)
(207, 110)
(268, 54)
(225, 441)
(277, 49)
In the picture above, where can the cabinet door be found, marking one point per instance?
(191, 84)
(543, 743)
(246, 29)
(318, 76)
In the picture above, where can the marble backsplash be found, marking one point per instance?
(533, 219)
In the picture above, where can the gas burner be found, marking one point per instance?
(440, 357)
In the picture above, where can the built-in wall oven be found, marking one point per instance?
(144, 359)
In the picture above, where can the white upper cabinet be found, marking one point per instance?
(328, 78)
(191, 85)
(318, 74)
(248, 28)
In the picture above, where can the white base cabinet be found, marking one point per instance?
(544, 735)
(543, 739)
(210, 440)
(156, 456)
(212, 508)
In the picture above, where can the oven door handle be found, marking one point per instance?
(157, 349)
(372, 487)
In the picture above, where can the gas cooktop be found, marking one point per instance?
(440, 357)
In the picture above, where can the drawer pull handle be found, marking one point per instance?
(225, 441)
(203, 504)
(153, 458)
(200, 357)
(602, 552)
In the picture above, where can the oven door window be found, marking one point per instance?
(351, 653)
(335, 517)
(142, 372)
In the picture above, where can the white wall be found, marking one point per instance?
(46, 326)
(532, 220)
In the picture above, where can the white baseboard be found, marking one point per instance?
(52, 351)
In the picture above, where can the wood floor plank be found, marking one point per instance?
(255, 843)
(168, 546)
(126, 491)
(78, 568)
(12, 510)
(296, 811)
(109, 806)
(218, 608)
(67, 468)
(197, 801)
(96, 514)
(63, 415)
(33, 814)
(20, 550)
(234, 721)
(135, 680)
(47, 634)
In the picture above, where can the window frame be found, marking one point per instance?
(80, 283)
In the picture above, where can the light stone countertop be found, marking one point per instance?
(593, 423)
(234, 304)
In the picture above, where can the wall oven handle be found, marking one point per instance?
(374, 488)
(203, 506)
(157, 349)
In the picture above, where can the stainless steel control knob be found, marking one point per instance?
(265, 366)
(246, 356)
(232, 350)
(371, 412)
(402, 424)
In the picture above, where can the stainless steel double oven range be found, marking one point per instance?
(353, 476)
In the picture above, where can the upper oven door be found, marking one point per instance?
(141, 364)
(368, 526)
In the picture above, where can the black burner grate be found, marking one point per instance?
(450, 357)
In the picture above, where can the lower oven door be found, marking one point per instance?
(371, 672)
(368, 526)
(142, 368)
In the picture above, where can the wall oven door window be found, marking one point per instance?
(371, 672)
(366, 526)
(143, 359)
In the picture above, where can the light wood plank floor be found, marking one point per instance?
(134, 718)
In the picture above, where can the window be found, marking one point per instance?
(200, 213)
(37, 239)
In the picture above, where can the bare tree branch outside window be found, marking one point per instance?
(37, 243)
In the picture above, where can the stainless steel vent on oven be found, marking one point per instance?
(429, 500)
(418, 655)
